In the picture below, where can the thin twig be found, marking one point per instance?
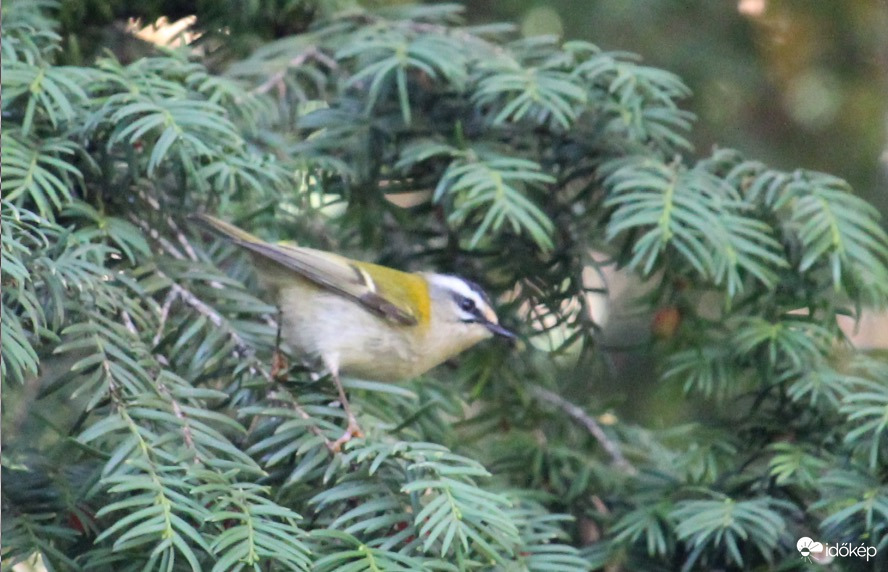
(276, 79)
(180, 415)
(277, 396)
(209, 313)
(164, 316)
(163, 242)
(128, 323)
(589, 423)
(153, 233)
(241, 348)
(183, 240)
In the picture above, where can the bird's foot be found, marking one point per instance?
(352, 431)
(279, 365)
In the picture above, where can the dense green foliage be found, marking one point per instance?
(143, 429)
(794, 82)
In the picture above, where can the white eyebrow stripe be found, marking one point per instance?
(459, 286)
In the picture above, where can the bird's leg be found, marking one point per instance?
(353, 430)
(279, 363)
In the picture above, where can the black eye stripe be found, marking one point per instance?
(477, 290)
(468, 306)
(474, 287)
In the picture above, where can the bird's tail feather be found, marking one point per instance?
(229, 230)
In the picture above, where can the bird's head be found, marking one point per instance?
(460, 308)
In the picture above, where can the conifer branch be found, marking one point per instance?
(577, 414)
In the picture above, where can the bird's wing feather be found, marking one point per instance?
(327, 270)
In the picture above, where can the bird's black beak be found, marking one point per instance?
(500, 331)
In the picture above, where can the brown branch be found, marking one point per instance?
(276, 79)
(128, 323)
(167, 246)
(164, 316)
(242, 349)
(585, 420)
(183, 240)
(290, 400)
(208, 312)
(180, 415)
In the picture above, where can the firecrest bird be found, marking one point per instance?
(365, 320)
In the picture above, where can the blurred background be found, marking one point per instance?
(793, 83)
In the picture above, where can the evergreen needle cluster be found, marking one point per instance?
(144, 428)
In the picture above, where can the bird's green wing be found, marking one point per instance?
(326, 270)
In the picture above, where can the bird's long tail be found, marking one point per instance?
(229, 230)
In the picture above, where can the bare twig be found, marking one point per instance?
(180, 415)
(208, 312)
(128, 323)
(276, 79)
(279, 395)
(183, 240)
(167, 246)
(241, 348)
(164, 316)
(577, 413)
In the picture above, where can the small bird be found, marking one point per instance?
(365, 320)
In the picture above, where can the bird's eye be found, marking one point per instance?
(466, 305)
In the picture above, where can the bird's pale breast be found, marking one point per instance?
(347, 337)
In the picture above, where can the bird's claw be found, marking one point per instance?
(352, 431)
(279, 366)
